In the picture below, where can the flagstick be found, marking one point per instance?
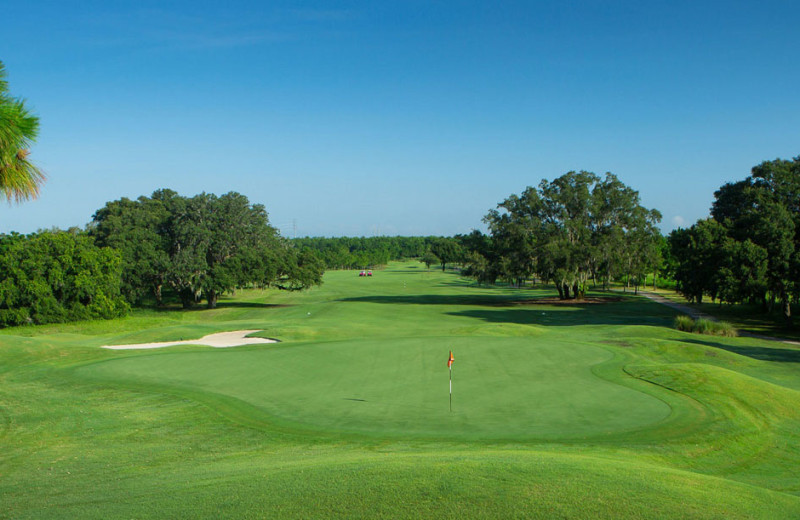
(450, 369)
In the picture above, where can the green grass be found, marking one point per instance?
(394, 387)
(559, 411)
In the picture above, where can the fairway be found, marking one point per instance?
(597, 410)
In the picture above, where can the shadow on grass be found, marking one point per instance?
(498, 286)
(506, 299)
(522, 309)
(173, 307)
(251, 305)
(434, 299)
(784, 355)
(614, 314)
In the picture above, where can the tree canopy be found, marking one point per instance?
(749, 250)
(199, 247)
(447, 250)
(363, 252)
(57, 276)
(576, 227)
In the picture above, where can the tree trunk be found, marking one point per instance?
(212, 296)
(787, 310)
(187, 298)
(566, 292)
(560, 291)
(157, 293)
(575, 292)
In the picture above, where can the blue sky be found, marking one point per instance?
(405, 117)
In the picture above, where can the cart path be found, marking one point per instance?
(697, 315)
(693, 313)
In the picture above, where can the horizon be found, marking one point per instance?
(354, 119)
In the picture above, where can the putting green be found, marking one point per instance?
(503, 388)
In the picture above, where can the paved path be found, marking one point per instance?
(693, 313)
(697, 315)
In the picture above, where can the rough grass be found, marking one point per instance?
(597, 411)
(703, 326)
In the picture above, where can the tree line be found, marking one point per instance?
(199, 247)
(364, 252)
(748, 250)
(570, 230)
(145, 250)
(575, 228)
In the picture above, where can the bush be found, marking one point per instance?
(684, 323)
(12, 317)
(701, 326)
(57, 276)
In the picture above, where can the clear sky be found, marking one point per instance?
(405, 117)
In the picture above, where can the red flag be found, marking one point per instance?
(450, 361)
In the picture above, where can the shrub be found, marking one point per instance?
(57, 276)
(702, 326)
(684, 323)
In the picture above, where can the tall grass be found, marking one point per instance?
(701, 326)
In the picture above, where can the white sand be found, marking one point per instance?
(219, 340)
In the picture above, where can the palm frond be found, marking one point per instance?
(19, 178)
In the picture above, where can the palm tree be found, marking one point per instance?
(19, 178)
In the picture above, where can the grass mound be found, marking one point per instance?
(703, 326)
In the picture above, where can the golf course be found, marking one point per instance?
(593, 409)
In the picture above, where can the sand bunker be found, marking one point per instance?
(219, 340)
